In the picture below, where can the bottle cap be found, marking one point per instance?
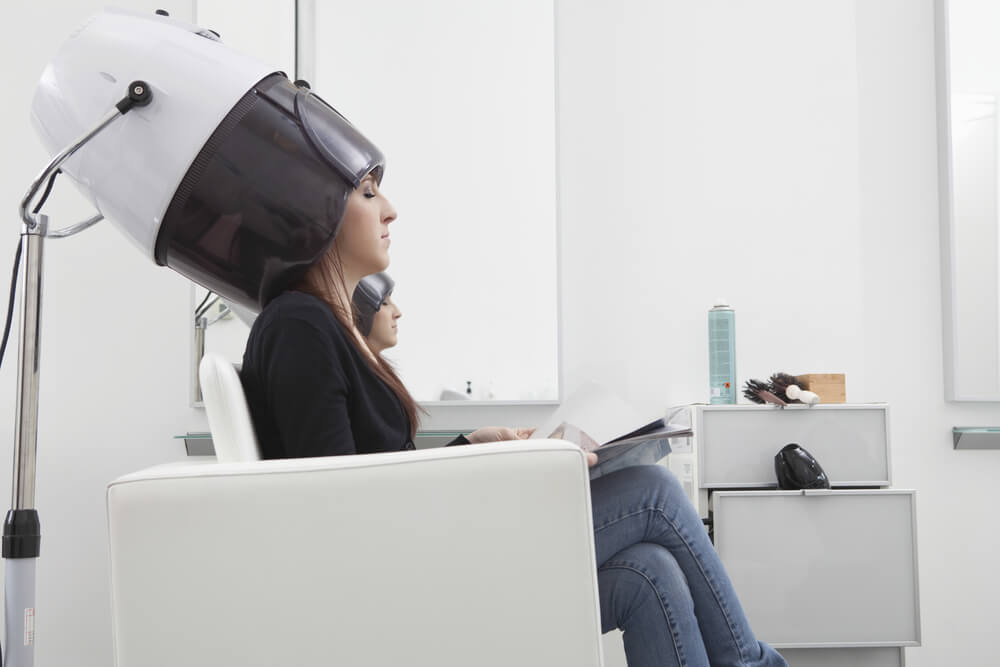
(721, 302)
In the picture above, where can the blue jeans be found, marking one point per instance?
(661, 581)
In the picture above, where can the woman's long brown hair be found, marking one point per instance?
(323, 281)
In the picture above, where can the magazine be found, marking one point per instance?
(600, 422)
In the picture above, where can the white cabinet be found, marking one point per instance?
(827, 577)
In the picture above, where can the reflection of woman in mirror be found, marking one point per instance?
(375, 312)
(375, 315)
(316, 387)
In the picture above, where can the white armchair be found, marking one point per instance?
(459, 556)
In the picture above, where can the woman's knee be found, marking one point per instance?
(638, 577)
(628, 503)
(662, 568)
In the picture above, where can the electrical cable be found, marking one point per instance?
(208, 295)
(206, 307)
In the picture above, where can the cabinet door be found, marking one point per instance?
(736, 443)
(822, 569)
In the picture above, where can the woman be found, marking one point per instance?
(316, 388)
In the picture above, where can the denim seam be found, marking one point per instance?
(711, 582)
(671, 623)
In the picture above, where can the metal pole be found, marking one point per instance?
(22, 534)
(26, 429)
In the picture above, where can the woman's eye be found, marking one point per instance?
(369, 195)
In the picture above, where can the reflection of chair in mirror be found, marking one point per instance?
(228, 413)
(478, 555)
(201, 325)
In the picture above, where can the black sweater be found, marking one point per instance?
(310, 391)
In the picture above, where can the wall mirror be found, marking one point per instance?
(968, 82)
(461, 98)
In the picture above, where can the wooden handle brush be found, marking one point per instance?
(760, 392)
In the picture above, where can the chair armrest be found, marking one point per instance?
(475, 555)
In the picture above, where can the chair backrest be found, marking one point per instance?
(228, 412)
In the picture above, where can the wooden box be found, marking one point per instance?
(831, 387)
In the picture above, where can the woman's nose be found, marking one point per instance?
(388, 213)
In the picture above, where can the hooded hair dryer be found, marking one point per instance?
(232, 176)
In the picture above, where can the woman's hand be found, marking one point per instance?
(499, 434)
(504, 434)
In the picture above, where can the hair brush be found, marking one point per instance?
(787, 388)
(759, 391)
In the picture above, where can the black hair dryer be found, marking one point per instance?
(797, 469)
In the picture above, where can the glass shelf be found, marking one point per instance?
(976, 437)
(197, 443)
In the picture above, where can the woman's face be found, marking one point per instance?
(383, 334)
(363, 239)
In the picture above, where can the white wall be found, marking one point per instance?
(698, 159)
(706, 149)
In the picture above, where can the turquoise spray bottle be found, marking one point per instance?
(722, 352)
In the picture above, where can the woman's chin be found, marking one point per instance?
(375, 266)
